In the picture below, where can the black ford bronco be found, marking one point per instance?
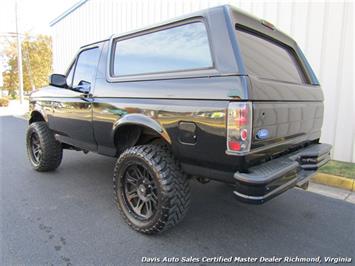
(214, 95)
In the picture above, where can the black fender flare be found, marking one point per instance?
(141, 120)
(39, 110)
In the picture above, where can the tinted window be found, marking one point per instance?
(267, 59)
(179, 48)
(86, 67)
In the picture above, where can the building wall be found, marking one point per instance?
(324, 31)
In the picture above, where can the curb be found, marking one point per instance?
(334, 181)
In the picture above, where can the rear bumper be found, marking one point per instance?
(266, 181)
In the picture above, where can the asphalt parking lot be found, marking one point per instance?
(69, 217)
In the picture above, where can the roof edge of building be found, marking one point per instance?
(67, 12)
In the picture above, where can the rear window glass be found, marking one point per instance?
(179, 48)
(267, 59)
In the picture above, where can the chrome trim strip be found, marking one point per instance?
(266, 195)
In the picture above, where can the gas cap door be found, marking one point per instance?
(187, 132)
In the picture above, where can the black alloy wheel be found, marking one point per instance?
(36, 149)
(140, 191)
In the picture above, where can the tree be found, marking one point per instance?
(36, 62)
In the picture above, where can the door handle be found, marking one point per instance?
(87, 97)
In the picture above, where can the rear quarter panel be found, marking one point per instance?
(163, 102)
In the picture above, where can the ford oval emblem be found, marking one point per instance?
(262, 133)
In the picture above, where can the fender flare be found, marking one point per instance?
(141, 120)
(38, 109)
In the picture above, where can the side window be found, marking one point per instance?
(86, 67)
(184, 47)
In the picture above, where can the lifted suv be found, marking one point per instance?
(214, 95)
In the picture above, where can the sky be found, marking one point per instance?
(33, 18)
(34, 15)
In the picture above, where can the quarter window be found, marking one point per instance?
(179, 48)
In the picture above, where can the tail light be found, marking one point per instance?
(239, 127)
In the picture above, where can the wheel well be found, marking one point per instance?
(36, 117)
(133, 135)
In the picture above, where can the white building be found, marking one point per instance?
(324, 31)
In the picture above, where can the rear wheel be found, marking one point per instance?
(44, 151)
(151, 191)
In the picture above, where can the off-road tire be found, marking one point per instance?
(51, 149)
(172, 185)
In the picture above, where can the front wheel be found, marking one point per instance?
(44, 151)
(151, 191)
